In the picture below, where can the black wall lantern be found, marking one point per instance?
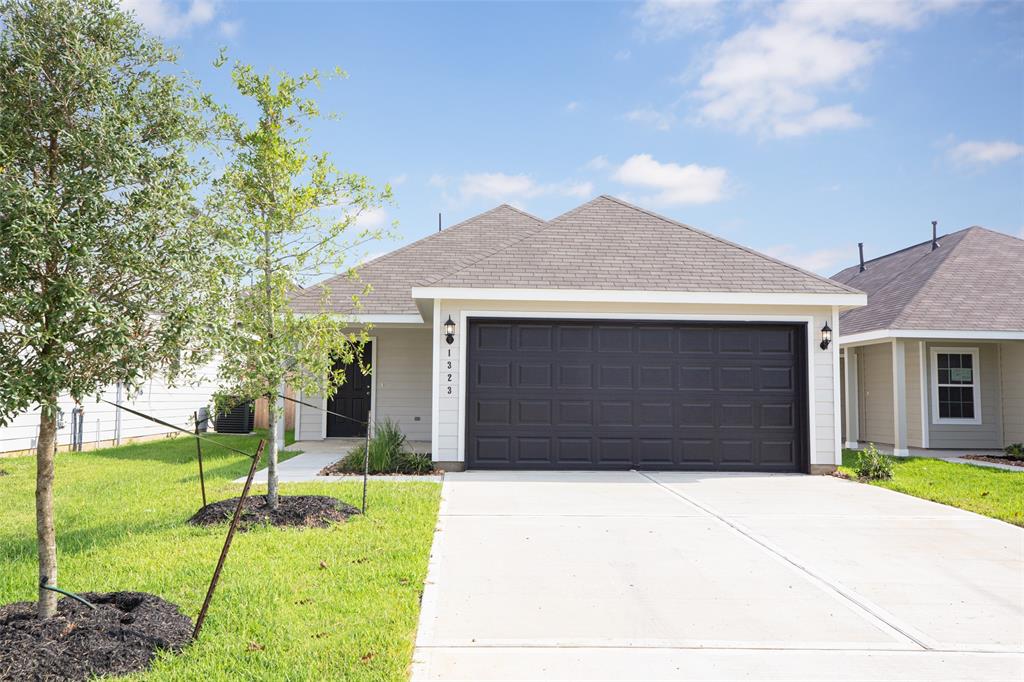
(826, 336)
(449, 331)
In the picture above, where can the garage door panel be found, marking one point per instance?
(534, 412)
(736, 378)
(575, 376)
(533, 375)
(490, 374)
(612, 377)
(575, 413)
(615, 395)
(533, 450)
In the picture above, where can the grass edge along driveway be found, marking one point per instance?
(336, 603)
(983, 490)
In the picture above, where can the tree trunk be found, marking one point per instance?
(273, 424)
(45, 537)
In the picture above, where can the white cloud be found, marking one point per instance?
(662, 19)
(230, 29)
(398, 179)
(623, 55)
(822, 261)
(659, 120)
(372, 218)
(572, 106)
(981, 153)
(768, 78)
(438, 180)
(171, 18)
(599, 162)
(504, 187)
(674, 184)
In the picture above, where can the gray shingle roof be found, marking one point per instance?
(609, 244)
(973, 281)
(605, 244)
(393, 275)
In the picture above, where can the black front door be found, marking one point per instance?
(352, 399)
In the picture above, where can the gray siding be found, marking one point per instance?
(986, 435)
(913, 383)
(1011, 355)
(403, 379)
(874, 364)
(401, 385)
(310, 424)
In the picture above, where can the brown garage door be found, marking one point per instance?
(567, 394)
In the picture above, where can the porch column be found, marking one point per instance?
(899, 398)
(851, 401)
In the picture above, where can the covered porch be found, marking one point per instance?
(923, 392)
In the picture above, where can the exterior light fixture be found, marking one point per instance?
(449, 331)
(826, 336)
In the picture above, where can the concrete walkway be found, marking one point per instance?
(316, 454)
(626, 575)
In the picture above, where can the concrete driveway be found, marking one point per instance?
(628, 576)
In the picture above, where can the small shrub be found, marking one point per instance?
(1014, 450)
(873, 465)
(414, 463)
(388, 454)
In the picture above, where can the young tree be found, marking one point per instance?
(282, 214)
(101, 260)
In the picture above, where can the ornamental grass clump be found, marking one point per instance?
(388, 454)
(872, 465)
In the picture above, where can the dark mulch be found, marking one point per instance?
(339, 469)
(312, 511)
(120, 636)
(998, 460)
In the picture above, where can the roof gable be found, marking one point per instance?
(973, 281)
(608, 244)
(392, 276)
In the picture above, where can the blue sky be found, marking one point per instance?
(795, 128)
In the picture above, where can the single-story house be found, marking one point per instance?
(936, 358)
(607, 338)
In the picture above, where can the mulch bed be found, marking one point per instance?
(310, 511)
(997, 460)
(120, 636)
(337, 470)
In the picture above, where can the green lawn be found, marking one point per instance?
(993, 492)
(278, 613)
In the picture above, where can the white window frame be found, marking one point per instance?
(975, 385)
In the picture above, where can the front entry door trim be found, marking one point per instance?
(372, 340)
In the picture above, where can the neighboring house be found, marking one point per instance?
(606, 338)
(936, 358)
(104, 425)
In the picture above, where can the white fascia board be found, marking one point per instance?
(965, 334)
(841, 300)
(405, 318)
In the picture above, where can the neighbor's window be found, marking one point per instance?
(955, 394)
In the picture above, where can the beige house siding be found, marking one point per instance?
(1011, 354)
(989, 433)
(448, 447)
(403, 379)
(874, 364)
(913, 383)
(401, 385)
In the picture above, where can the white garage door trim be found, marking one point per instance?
(806, 320)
